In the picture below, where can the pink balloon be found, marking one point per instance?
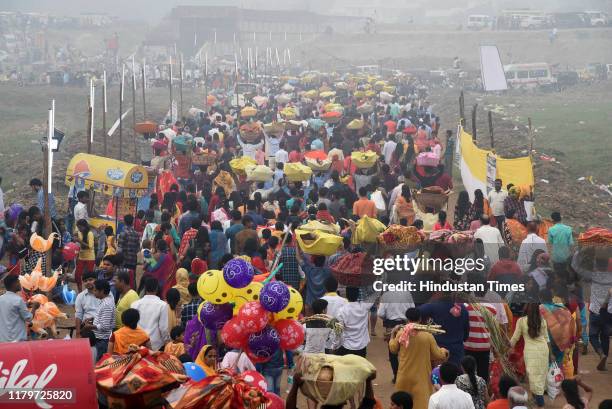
(255, 379)
(253, 317)
(291, 334)
(275, 401)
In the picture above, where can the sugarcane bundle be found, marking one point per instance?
(330, 321)
(410, 329)
(500, 344)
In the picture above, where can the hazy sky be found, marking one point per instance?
(155, 9)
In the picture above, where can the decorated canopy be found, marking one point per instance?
(108, 176)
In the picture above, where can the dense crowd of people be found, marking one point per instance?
(138, 287)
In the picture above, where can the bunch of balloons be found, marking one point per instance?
(257, 317)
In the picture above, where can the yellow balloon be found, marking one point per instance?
(212, 287)
(293, 309)
(246, 294)
(200, 309)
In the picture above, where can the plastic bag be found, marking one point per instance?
(379, 201)
(554, 377)
(364, 160)
(367, 230)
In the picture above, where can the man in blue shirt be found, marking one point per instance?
(252, 212)
(235, 228)
(37, 187)
(14, 314)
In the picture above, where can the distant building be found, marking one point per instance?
(191, 27)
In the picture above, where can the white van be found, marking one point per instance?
(596, 18)
(479, 22)
(528, 75)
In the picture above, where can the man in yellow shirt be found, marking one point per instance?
(126, 296)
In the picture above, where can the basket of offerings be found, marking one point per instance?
(399, 238)
(251, 132)
(354, 269)
(204, 158)
(431, 198)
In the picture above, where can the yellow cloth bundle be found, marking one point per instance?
(347, 373)
(318, 242)
(296, 172)
(367, 230)
(364, 160)
(239, 165)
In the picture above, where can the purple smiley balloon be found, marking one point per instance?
(274, 296)
(238, 273)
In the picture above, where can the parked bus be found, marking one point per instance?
(528, 75)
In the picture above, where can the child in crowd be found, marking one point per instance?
(176, 347)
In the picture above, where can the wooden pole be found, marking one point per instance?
(491, 130)
(134, 116)
(530, 136)
(474, 108)
(121, 121)
(462, 109)
(144, 99)
(104, 115)
(89, 120)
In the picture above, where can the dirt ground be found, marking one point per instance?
(383, 388)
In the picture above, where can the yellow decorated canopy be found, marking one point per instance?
(108, 176)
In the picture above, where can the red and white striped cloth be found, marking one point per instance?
(478, 338)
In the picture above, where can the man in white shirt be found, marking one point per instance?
(334, 301)
(80, 209)
(388, 149)
(354, 316)
(496, 201)
(531, 243)
(272, 146)
(491, 238)
(153, 315)
(449, 396)
(86, 303)
(281, 155)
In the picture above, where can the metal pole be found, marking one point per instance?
(170, 82)
(89, 120)
(104, 115)
(120, 121)
(134, 115)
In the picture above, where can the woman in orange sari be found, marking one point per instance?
(129, 337)
(403, 206)
(207, 360)
(514, 232)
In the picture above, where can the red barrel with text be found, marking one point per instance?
(52, 374)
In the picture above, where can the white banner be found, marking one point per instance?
(491, 69)
(491, 172)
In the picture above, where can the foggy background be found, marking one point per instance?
(153, 10)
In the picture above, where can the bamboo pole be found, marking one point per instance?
(170, 84)
(144, 98)
(474, 108)
(180, 115)
(462, 109)
(491, 130)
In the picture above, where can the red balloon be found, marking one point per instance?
(253, 317)
(233, 335)
(254, 358)
(291, 334)
(198, 266)
(275, 401)
(255, 379)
